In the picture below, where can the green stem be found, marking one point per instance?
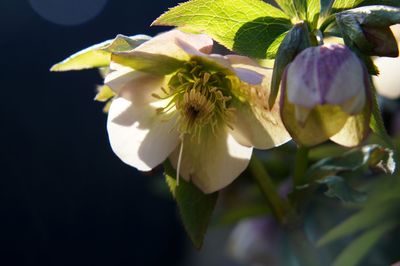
(303, 249)
(378, 127)
(279, 207)
(301, 165)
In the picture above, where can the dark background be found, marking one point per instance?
(65, 198)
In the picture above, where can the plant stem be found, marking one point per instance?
(279, 207)
(378, 127)
(285, 214)
(303, 249)
(300, 167)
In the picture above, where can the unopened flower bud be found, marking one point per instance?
(382, 40)
(322, 88)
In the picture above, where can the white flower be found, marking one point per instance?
(204, 112)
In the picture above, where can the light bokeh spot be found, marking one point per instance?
(68, 12)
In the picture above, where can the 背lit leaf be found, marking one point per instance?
(249, 27)
(148, 62)
(99, 55)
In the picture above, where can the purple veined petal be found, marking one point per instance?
(214, 162)
(138, 136)
(348, 83)
(328, 74)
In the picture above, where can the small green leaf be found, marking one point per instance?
(195, 207)
(338, 187)
(359, 248)
(288, 7)
(308, 10)
(147, 62)
(345, 4)
(248, 27)
(293, 43)
(104, 93)
(99, 55)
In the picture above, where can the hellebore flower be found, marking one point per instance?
(204, 112)
(325, 95)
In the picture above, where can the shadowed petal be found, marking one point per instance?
(139, 136)
(258, 127)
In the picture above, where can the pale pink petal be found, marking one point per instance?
(213, 163)
(138, 136)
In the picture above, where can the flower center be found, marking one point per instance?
(201, 98)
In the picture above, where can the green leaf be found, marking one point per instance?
(104, 93)
(345, 4)
(249, 27)
(373, 156)
(195, 207)
(359, 248)
(308, 10)
(293, 43)
(357, 222)
(288, 7)
(338, 187)
(99, 55)
(147, 62)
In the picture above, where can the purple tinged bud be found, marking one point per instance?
(326, 75)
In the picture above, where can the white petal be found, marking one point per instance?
(387, 83)
(213, 163)
(138, 136)
(258, 127)
(165, 43)
(134, 86)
